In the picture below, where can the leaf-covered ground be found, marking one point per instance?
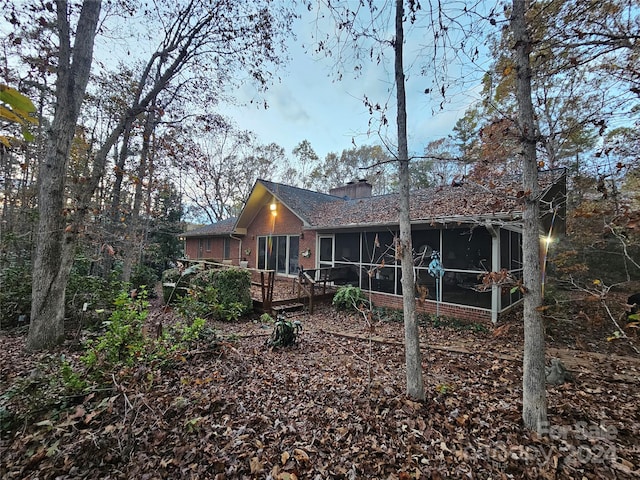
(334, 407)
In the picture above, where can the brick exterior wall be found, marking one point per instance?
(285, 223)
(308, 243)
(216, 252)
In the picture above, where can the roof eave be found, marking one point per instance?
(442, 220)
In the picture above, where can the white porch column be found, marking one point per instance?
(496, 299)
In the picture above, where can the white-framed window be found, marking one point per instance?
(279, 253)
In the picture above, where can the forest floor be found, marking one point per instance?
(334, 406)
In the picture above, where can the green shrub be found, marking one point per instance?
(285, 333)
(123, 343)
(15, 294)
(223, 294)
(233, 286)
(198, 302)
(349, 297)
(190, 333)
(98, 293)
(73, 382)
(178, 280)
(144, 276)
(55, 384)
(266, 318)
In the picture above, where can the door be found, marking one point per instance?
(325, 248)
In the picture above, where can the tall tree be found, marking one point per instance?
(370, 162)
(369, 29)
(219, 164)
(54, 245)
(205, 46)
(413, 357)
(534, 400)
(306, 161)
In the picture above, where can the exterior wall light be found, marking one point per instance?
(273, 207)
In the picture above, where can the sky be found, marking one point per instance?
(308, 104)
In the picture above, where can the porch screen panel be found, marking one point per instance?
(466, 249)
(511, 259)
(348, 247)
(509, 297)
(516, 251)
(347, 252)
(426, 285)
(466, 257)
(424, 242)
(465, 291)
(382, 280)
(383, 250)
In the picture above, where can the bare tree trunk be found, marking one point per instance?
(534, 400)
(134, 235)
(54, 252)
(415, 383)
(119, 172)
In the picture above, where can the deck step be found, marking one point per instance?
(289, 307)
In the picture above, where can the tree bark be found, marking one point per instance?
(413, 357)
(54, 245)
(134, 235)
(534, 400)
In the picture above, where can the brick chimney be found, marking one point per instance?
(353, 190)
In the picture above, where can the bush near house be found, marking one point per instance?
(175, 282)
(349, 297)
(223, 294)
(233, 286)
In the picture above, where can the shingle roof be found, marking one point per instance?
(223, 227)
(469, 200)
(305, 203)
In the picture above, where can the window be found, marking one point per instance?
(226, 248)
(279, 253)
(204, 245)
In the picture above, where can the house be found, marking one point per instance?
(473, 229)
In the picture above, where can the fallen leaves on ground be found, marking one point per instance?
(333, 407)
